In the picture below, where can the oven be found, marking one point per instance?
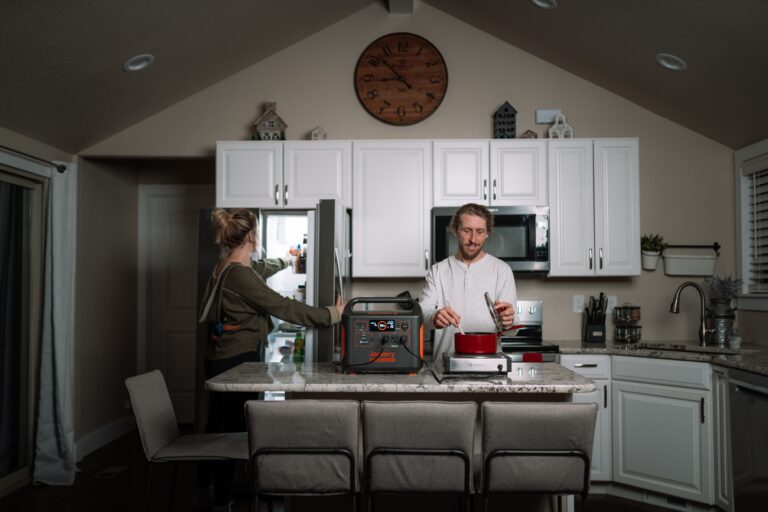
(528, 345)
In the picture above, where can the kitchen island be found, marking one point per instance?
(553, 380)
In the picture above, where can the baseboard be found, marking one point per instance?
(657, 499)
(101, 437)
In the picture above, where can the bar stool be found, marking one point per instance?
(537, 448)
(415, 447)
(303, 447)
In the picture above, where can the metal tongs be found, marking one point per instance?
(495, 316)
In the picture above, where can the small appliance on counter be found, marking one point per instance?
(625, 318)
(382, 341)
(510, 351)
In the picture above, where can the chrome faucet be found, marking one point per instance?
(675, 308)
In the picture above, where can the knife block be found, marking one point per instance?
(592, 332)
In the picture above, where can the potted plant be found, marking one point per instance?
(651, 247)
(720, 292)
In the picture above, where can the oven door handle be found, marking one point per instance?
(752, 389)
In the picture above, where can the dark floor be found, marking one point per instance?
(113, 479)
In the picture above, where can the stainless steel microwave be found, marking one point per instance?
(520, 236)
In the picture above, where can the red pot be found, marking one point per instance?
(475, 343)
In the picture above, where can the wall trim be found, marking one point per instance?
(102, 436)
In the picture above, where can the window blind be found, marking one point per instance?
(757, 280)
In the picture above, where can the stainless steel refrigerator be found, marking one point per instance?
(327, 264)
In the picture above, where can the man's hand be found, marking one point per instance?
(445, 317)
(506, 313)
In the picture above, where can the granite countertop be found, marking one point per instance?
(749, 357)
(325, 378)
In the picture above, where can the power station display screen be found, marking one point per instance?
(381, 325)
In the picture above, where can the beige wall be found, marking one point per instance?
(686, 179)
(105, 293)
(19, 142)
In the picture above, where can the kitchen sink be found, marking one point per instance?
(677, 347)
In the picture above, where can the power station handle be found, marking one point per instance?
(413, 303)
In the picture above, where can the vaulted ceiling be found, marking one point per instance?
(61, 82)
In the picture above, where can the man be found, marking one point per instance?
(455, 289)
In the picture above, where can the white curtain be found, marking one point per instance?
(55, 443)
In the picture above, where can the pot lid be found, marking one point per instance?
(494, 313)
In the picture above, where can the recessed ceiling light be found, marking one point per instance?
(671, 62)
(545, 4)
(138, 62)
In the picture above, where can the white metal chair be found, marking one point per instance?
(537, 448)
(160, 435)
(419, 447)
(303, 447)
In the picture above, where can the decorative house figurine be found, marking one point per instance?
(269, 126)
(317, 134)
(529, 134)
(561, 129)
(505, 122)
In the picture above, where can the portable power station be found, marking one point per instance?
(382, 341)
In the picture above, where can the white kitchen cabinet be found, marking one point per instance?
(392, 196)
(249, 174)
(499, 172)
(722, 441)
(597, 368)
(273, 174)
(594, 200)
(662, 434)
(519, 172)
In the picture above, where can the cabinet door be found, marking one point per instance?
(571, 211)
(518, 172)
(722, 438)
(317, 170)
(249, 174)
(601, 449)
(460, 172)
(391, 199)
(617, 207)
(661, 439)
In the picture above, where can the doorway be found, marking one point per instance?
(22, 214)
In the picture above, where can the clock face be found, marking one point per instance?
(401, 78)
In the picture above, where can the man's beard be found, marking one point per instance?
(469, 252)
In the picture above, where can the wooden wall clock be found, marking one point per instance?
(401, 78)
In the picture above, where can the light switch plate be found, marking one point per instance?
(547, 115)
(578, 303)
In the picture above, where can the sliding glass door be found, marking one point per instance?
(21, 264)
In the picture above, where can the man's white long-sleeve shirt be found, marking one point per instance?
(463, 287)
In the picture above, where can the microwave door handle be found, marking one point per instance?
(485, 189)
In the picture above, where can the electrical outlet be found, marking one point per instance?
(612, 301)
(578, 303)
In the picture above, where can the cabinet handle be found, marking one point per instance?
(485, 189)
(590, 259)
(426, 260)
(605, 397)
(494, 189)
(285, 194)
(277, 192)
(601, 258)
(702, 409)
(585, 365)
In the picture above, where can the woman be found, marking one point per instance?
(237, 306)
